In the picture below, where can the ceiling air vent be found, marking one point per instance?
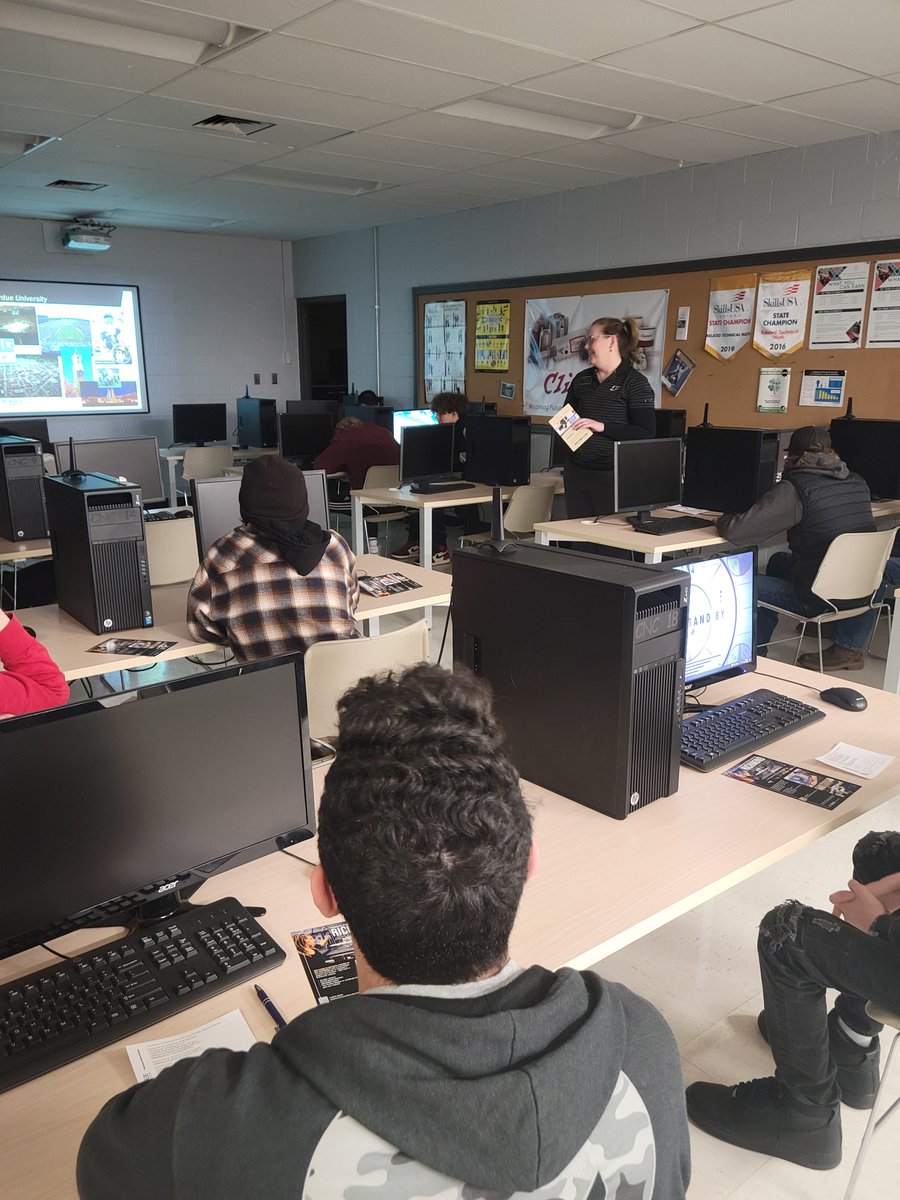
(76, 185)
(241, 126)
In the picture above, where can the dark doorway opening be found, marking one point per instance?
(322, 328)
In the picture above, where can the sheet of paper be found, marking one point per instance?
(865, 763)
(230, 1032)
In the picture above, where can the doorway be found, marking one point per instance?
(322, 330)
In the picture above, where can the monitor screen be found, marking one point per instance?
(198, 423)
(36, 429)
(70, 349)
(217, 510)
(721, 617)
(108, 806)
(646, 474)
(405, 418)
(137, 459)
(304, 435)
(871, 448)
(426, 452)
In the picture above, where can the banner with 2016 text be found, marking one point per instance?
(555, 332)
(781, 310)
(729, 321)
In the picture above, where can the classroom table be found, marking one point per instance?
(615, 531)
(600, 885)
(19, 552)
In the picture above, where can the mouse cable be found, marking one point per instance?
(58, 953)
(299, 857)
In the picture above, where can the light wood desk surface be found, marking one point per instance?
(19, 551)
(616, 532)
(600, 885)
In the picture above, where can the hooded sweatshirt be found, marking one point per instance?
(552, 1085)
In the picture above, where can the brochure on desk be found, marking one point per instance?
(387, 585)
(813, 787)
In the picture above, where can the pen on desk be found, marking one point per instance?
(270, 1008)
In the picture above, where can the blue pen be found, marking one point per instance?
(270, 1008)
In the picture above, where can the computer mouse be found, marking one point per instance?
(845, 697)
(182, 514)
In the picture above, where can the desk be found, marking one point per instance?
(175, 454)
(601, 884)
(615, 531)
(19, 552)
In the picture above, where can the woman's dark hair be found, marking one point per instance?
(625, 331)
(450, 402)
(424, 834)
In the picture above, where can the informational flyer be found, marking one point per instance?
(781, 310)
(328, 959)
(772, 393)
(729, 321)
(823, 389)
(563, 421)
(386, 585)
(445, 347)
(813, 787)
(492, 335)
(837, 307)
(883, 328)
(677, 372)
(136, 646)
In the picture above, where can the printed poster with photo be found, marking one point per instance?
(492, 335)
(883, 329)
(781, 308)
(555, 332)
(445, 347)
(837, 306)
(823, 389)
(729, 320)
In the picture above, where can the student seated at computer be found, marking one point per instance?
(29, 679)
(279, 582)
(817, 499)
(455, 1071)
(354, 447)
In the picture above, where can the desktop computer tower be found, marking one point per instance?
(585, 656)
(23, 513)
(257, 423)
(498, 450)
(99, 551)
(727, 470)
(671, 422)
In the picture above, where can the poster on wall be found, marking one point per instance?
(492, 335)
(555, 332)
(883, 329)
(823, 389)
(837, 306)
(772, 390)
(729, 320)
(781, 308)
(445, 347)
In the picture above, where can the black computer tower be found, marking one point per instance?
(498, 450)
(585, 656)
(670, 422)
(257, 422)
(727, 470)
(99, 552)
(23, 514)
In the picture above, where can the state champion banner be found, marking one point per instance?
(729, 320)
(555, 332)
(781, 310)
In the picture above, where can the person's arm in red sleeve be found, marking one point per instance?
(332, 459)
(30, 679)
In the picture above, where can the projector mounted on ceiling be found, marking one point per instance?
(87, 236)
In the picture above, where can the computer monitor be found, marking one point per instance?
(217, 510)
(405, 418)
(134, 458)
(35, 428)
(304, 435)
(313, 406)
(97, 824)
(198, 424)
(721, 617)
(498, 450)
(381, 415)
(646, 475)
(426, 452)
(871, 448)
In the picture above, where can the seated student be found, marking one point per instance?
(455, 1071)
(29, 680)
(821, 1058)
(817, 498)
(279, 582)
(354, 447)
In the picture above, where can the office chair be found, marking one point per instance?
(853, 567)
(205, 462)
(528, 504)
(376, 477)
(886, 1017)
(171, 550)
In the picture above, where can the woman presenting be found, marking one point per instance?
(615, 402)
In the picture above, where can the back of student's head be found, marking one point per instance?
(424, 834)
(368, 397)
(347, 423)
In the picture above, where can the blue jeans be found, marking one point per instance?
(803, 951)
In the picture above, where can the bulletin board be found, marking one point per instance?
(730, 387)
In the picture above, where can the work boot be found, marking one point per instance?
(858, 1067)
(760, 1116)
(835, 658)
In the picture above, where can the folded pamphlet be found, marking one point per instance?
(562, 423)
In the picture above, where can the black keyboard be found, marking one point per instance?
(453, 485)
(72, 1008)
(741, 726)
(661, 525)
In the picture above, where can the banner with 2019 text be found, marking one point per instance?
(729, 321)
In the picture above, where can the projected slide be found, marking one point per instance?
(720, 614)
(67, 349)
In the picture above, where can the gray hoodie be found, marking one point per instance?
(556, 1085)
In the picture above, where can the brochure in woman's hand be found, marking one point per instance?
(563, 421)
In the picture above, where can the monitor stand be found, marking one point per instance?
(639, 517)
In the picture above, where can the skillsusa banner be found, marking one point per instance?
(781, 311)
(729, 321)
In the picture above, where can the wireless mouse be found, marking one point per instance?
(845, 697)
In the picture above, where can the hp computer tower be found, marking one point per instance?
(727, 470)
(99, 552)
(23, 514)
(585, 656)
(670, 422)
(498, 450)
(257, 422)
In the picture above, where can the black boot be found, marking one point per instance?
(858, 1067)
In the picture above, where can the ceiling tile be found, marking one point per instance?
(870, 104)
(730, 63)
(105, 132)
(601, 155)
(17, 119)
(404, 150)
(433, 197)
(354, 167)
(262, 14)
(557, 175)
(795, 129)
(63, 95)
(865, 36)
(290, 59)
(475, 135)
(70, 159)
(409, 39)
(715, 10)
(499, 189)
(57, 59)
(631, 93)
(690, 143)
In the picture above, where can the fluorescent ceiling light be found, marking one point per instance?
(307, 181)
(23, 143)
(130, 25)
(530, 118)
